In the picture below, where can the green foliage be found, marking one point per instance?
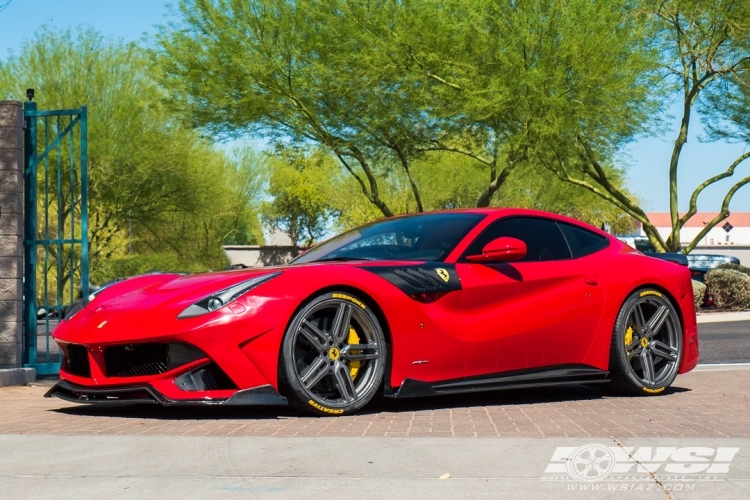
(730, 288)
(735, 267)
(155, 186)
(389, 86)
(701, 49)
(299, 185)
(448, 180)
(699, 293)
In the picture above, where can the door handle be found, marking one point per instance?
(592, 280)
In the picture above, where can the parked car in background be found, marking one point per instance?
(700, 264)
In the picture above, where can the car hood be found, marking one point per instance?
(166, 291)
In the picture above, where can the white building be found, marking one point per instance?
(730, 237)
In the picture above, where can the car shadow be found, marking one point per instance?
(508, 397)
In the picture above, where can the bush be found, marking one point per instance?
(699, 292)
(735, 267)
(730, 288)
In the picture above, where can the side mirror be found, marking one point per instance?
(502, 249)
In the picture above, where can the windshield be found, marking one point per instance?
(415, 237)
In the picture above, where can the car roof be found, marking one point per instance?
(500, 212)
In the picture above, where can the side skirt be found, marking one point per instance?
(541, 377)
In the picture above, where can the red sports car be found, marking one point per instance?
(436, 303)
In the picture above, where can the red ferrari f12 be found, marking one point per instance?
(418, 305)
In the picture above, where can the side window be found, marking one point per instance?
(581, 241)
(543, 238)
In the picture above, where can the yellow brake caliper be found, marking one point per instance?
(353, 365)
(629, 336)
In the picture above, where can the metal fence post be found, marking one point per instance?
(84, 202)
(30, 223)
(11, 233)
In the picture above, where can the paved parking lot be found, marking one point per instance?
(713, 404)
(725, 342)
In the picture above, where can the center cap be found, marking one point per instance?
(644, 342)
(334, 353)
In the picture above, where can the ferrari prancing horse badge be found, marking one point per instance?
(443, 274)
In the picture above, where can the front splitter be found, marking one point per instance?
(264, 395)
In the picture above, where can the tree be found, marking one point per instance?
(155, 187)
(384, 85)
(301, 206)
(703, 55)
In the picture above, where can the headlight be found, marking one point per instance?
(224, 297)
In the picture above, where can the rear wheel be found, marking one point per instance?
(646, 344)
(333, 355)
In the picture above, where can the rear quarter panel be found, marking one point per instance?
(629, 271)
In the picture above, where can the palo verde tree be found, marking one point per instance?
(386, 84)
(300, 202)
(270, 67)
(702, 53)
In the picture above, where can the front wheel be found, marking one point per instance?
(333, 355)
(646, 344)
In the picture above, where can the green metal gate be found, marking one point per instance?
(56, 266)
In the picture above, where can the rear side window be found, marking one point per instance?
(543, 238)
(581, 241)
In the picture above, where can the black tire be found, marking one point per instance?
(646, 344)
(319, 371)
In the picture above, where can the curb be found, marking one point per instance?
(723, 317)
(17, 376)
(722, 367)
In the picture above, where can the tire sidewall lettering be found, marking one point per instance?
(325, 409)
(349, 298)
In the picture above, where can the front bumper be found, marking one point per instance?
(264, 395)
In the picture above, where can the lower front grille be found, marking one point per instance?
(134, 360)
(77, 360)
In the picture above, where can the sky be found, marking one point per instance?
(647, 159)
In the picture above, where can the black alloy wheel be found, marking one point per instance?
(646, 344)
(333, 355)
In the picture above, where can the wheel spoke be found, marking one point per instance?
(633, 344)
(319, 339)
(315, 372)
(635, 352)
(657, 320)
(663, 350)
(640, 321)
(344, 382)
(340, 330)
(361, 352)
(647, 364)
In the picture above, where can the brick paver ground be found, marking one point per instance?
(701, 404)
